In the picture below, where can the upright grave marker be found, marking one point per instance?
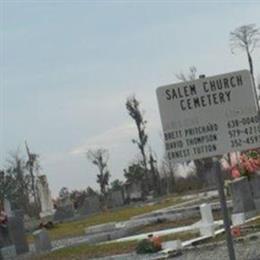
(210, 117)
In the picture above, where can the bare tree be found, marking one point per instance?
(7, 185)
(133, 108)
(99, 157)
(169, 169)
(246, 37)
(258, 82)
(192, 74)
(32, 164)
(16, 174)
(155, 173)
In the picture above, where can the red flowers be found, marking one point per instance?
(247, 164)
(250, 164)
(235, 173)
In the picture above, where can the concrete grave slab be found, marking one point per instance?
(8, 253)
(101, 228)
(41, 241)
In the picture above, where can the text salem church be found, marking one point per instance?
(216, 92)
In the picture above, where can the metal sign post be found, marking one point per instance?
(224, 209)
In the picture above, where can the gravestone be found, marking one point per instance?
(207, 221)
(255, 188)
(116, 199)
(65, 208)
(8, 253)
(5, 236)
(105, 232)
(175, 245)
(17, 231)
(63, 213)
(41, 241)
(133, 191)
(8, 208)
(47, 208)
(30, 223)
(106, 236)
(90, 205)
(7, 249)
(107, 227)
(243, 202)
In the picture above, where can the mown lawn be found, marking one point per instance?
(89, 251)
(76, 228)
(101, 250)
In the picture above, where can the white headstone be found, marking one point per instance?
(7, 208)
(206, 213)
(238, 219)
(47, 209)
(207, 220)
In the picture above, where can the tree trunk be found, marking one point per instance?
(172, 180)
(251, 66)
(146, 181)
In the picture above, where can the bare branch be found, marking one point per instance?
(99, 157)
(245, 37)
(192, 75)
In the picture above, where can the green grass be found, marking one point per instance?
(89, 251)
(76, 228)
(255, 222)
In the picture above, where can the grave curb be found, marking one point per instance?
(254, 236)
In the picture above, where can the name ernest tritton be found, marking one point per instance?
(215, 92)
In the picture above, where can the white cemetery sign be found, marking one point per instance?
(209, 116)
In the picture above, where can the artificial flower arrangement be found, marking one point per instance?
(247, 164)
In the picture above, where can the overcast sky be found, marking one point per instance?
(67, 68)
